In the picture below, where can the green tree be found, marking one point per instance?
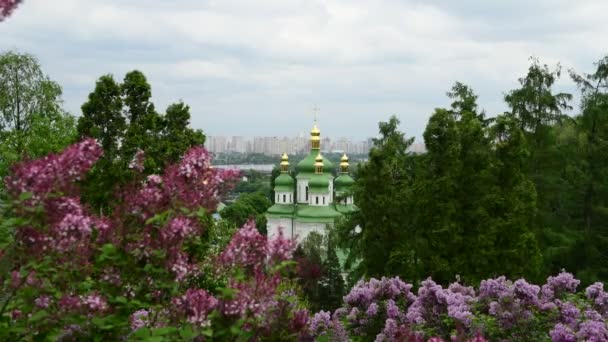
(589, 253)
(382, 191)
(123, 118)
(332, 287)
(32, 122)
(25, 91)
(539, 112)
(45, 135)
(248, 205)
(513, 209)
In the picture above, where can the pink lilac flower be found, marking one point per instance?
(246, 248)
(280, 248)
(70, 303)
(55, 172)
(43, 301)
(139, 319)
(299, 320)
(196, 305)
(178, 229)
(95, 303)
(137, 163)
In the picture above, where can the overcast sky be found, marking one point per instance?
(249, 67)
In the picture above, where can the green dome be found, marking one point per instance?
(343, 181)
(308, 164)
(318, 184)
(284, 180)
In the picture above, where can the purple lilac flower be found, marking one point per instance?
(372, 309)
(562, 333)
(592, 331)
(559, 285)
(320, 323)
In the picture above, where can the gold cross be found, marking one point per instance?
(315, 109)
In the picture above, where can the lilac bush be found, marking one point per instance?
(501, 309)
(146, 271)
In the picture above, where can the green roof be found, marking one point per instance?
(311, 213)
(281, 210)
(319, 184)
(281, 188)
(346, 208)
(284, 179)
(307, 164)
(343, 181)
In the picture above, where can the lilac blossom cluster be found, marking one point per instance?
(387, 310)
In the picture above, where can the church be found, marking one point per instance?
(315, 199)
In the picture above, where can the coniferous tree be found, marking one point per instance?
(123, 119)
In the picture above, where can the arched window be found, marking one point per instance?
(317, 199)
(307, 192)
(323, 199)
(284, 200)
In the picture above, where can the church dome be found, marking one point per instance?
(343, 181)
(319, 184)
(307, 164)
(284, 180)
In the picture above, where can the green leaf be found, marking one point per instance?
(24, 196)
(38, 316)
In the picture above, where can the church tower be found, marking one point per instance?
(311, 207)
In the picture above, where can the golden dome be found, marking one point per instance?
(284, 163)
(344, 164)
(319, 160)
(315, 131)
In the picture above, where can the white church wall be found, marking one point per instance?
(301, 191)
(274, 223)
(302, 229)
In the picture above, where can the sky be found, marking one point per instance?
(258, 68)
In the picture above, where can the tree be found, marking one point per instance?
(513, 211)
(332, 287)
(25, 92)
(539, 112)
(248, 205)
(7, 7)
(383, 196)
(46, 135)
(32, 123)
(589, 253)
(123, 119)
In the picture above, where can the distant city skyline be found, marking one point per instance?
(277, 145)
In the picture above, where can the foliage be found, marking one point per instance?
(464, 208)
(319, 273)
(248, 206)
(32, 123)
(123, 119)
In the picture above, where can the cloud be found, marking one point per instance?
(257, 67)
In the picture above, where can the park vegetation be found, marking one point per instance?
(108, 232)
